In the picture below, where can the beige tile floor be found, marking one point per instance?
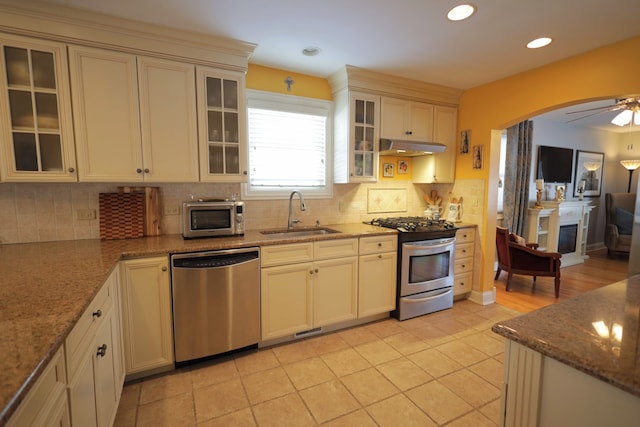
(442, 369)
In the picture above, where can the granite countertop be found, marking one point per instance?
(45, 287)
(565, 331)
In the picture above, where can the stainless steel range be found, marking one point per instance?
(426, 250)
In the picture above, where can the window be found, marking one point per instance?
(289, 146)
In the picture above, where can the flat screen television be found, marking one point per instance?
(554, 164)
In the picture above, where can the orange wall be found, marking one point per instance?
(607, 72)
(273, 80)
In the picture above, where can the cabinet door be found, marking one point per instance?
(222, 126)
(376, 283)
(35, 112)
(105, 107)
(421, 122)
(286, 300)
(444, 131)
(104, 371)
(146, 314)
(168, 120)
(364, 131)
(393, 120)
(335, 290)
(82, 398)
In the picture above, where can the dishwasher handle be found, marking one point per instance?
(215, 259)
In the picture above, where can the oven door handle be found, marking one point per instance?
(428, 245)
(410, 300)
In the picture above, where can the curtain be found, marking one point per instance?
(517, 176)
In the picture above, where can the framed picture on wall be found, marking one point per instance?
(403, 167)
(465, 137)
(478, 156)
(588, 177)
(387, 170)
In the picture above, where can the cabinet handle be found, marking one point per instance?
(463, 266)
(146, 170)
(379, 256)
(97, 313)
(244, 172)
(408, 132)
(311, 272)
(464, 251)
(102, 350)
(71, 170)
(461, 283)
(138, 170)
(164, 268)
(379, 245)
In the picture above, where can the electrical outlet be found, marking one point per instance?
(171, 210)
(86, 214)
(474, 202)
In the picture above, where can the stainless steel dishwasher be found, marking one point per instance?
(216, 302)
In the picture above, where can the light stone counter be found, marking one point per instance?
(45, 287)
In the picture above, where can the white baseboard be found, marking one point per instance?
(595, 246)
(483, 298)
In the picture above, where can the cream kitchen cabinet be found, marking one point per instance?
(146, 316)
(94, 360)
(307, 285)
(464, 261)
(406, 120)
(135, 117)
(222, 125)
(46, 402)
(356, 137)
(35, 112)
(377, 271)
(439, 167)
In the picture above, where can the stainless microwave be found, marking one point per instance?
(212, 218)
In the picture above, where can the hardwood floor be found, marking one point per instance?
(597, 271)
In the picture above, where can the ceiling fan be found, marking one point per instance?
(630, 112)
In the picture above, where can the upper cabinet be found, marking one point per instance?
(222, 125)
(356, 137)
(406, 120)
(135, 117)
(35, 112)
(439, 167)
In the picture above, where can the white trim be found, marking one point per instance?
(483, 298)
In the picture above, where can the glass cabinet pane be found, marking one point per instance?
(214, 121)
(216, 162)
(214, 92)
(369, 115)
(231, 94)
(44, 74)
(369, 139)
(359, 111)
(47, 111)
(21, 109)
(232, 159)
(359, 164)
(51, 152)
(17, 63)
(24, 147)
(230, 127)
(368, 164)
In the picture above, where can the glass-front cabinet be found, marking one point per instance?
(35, 109)
(222, 126)
(364, 127)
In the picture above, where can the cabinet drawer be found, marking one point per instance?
(462, 283)
(378, 244)
(87, 325)
(325, 249)
(463, 266)
(465, 235)
(464, 250)
(286, 254)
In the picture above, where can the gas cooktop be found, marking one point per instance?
(412, 224)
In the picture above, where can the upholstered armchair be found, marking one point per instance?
(619, 222)
(515, 256)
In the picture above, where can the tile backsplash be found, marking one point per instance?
(47, 212)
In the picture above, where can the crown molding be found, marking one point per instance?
(75, 26)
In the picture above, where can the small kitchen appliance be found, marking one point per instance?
(212, 218)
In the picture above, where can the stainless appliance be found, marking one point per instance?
(216, 302)
(212, 218)
(426, 250)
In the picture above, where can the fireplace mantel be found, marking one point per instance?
(558, 218)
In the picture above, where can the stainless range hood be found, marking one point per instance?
(396, 147)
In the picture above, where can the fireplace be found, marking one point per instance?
(567, 237)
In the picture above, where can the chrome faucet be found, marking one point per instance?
(292, 221)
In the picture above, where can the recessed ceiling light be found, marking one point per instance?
(311, 51)
(541, 42)
(461, 12)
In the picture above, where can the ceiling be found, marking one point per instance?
(407, 38)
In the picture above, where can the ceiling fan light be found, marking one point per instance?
(540, 42)
(623, 118)
(461, 12)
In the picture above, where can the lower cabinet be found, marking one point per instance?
(46, 402)
(146, 315)
(464, 261)
(377, 269)
(307, 285)
(94, 360)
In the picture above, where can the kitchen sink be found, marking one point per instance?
(299, 232)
